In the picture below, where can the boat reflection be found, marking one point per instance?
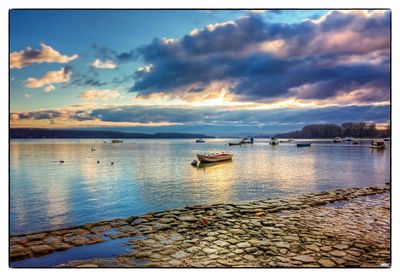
(215, 165)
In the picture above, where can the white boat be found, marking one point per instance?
(337, 140)
(274, 141)
(200, 140)
(348, 139)
(386, 139)
(214, 157)
(376, 144)
(247, 140)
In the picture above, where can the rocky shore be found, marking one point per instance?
(341, 228)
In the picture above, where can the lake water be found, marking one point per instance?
(154, 175)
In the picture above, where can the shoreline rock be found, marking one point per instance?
(272, 232)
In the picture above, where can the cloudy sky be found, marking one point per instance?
(213, 72)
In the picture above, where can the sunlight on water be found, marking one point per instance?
(154, 175)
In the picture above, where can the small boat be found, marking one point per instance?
(274, 141)
(215, 157)
(117, 141)
(337, 140)
(303, 144)
(377, 145)
(285, 141)
(199, 140)
(386, 139)
(348, 139)
(356, 142)
(234, 143)
(247, 140)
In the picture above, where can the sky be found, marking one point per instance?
(210, 71)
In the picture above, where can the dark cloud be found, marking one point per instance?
(105, 53)
(83, 80)
(309, 56)
(212, 117)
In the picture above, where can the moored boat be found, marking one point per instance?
(386, 139)
(356, 142)
(214, 157)
(337, 140)
(274, 141)
(200, 140)
(303, 144)
(234, 143)
(247, 140)
(117, 141)
(348, 139)
(377, 145)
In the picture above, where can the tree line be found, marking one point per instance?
(347, 129)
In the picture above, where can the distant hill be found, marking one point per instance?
(36, 133)
(347, 129)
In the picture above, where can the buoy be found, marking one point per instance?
(194, 162)
(98, 162)
(112, 163)
(61, 161)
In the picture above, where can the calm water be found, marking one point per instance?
(154, 175)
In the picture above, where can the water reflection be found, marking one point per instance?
(153, 175)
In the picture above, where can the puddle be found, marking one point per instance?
(107, 249)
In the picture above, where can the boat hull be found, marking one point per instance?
(303, 144)
(213, 159)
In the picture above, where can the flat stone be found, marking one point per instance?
(100, 229)
(251, 249)
(166, 220)
(39, 236)
(341, 246)
(326, 263)
(243, 245)
(193, 249)
(161, 226)
(209, 250)
(338, 253)
(304, 259)
(175, 263)
(210, 239)
(221, 243)
(237, 231)
(19, 251)
(143, 254)
(41, 249)
(187, 218)
(180, 254)
(282, 244)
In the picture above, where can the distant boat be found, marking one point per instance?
(234, 143)
(247, 140)
(377, 145)
(303, 144)
(200, 140)
(337, 140)
(348, 139)
(356, 142)
(386, 139)
(274, 141)
(117, 141)
(215, 157)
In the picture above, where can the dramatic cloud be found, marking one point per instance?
(52, 77)
(46, 54)
(107, 64)
(105, 94)
(342, 55)
(153, 115)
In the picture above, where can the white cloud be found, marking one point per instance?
(46, 54)
(107, 64)
(105, 94)
(52, 77)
